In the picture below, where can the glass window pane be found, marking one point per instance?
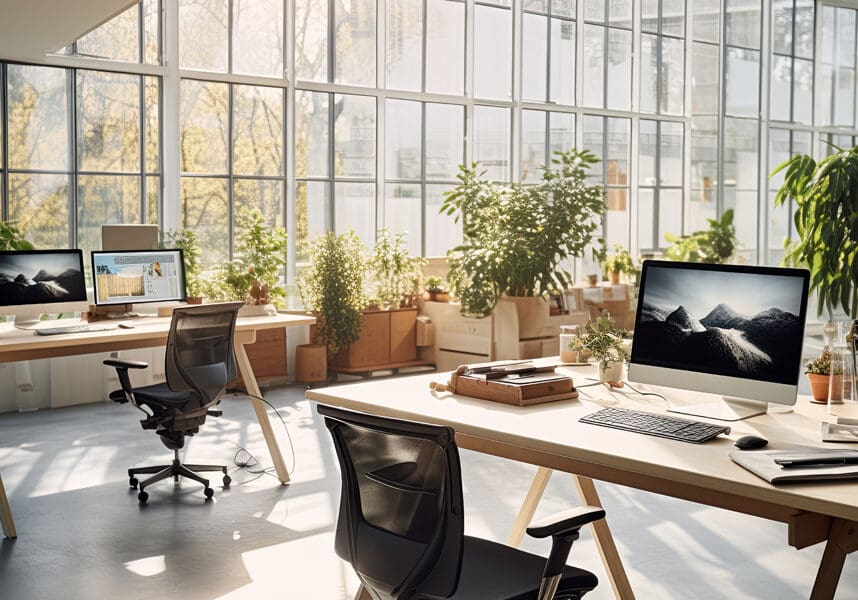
(403, 214)
(442, 232)
(153, 200)
(649, 73)
(355, 42)
(619, 69)
(104, 199)
(646, 211)
(704, 157)
(257, 145)
(781, 88)
(312, 215)
(118, 39)
(151, 32)
(594, 10)
(617, 159)
(445, 134)
(39, 204)
(648, 148)
(492, 141)
(533, 145)
(204, 210)
(845, 37)
(354, 136)
(672, 76)
(649, 15)
(620, 13)
(257, 33)
(803, 92)
(492, 53)
(743, 82)
(264, 194)
(565, 8)
(743, 23)
(536, 5)
(669, 212)
(562, 84)
(740, 153)
(707, 20)
(203, 34)
(594, 66)
(204, 120)
(152, 123)
(354, 208)
(38, 126)
(844, 99)
(705, 79)
(403, 136)
(782, 23)
(311, 40)
(534, 57)
(673, 17)
(671, 153)
(108, 121)
(445, 47)
(561, 133)
(804, 17)
(311, 134)
(404, 39)
(593, 136)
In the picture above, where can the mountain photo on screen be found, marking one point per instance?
(40, 278)
(733, 324)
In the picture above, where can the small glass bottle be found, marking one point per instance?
(567, 334)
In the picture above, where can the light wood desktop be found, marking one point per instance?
(550, 437)
(17, 345)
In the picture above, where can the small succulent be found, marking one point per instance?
(821, 365)
(433, 284)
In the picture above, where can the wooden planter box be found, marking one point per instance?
(387, 339)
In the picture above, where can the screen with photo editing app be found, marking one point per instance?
(133, 277)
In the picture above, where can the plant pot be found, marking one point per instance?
(818, 387)
(442, 297)
(194, 299)
(592, 280)
(614, 277)
(311, 363)
(612, 372)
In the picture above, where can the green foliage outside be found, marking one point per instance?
(603, 340)
(714, 245)
(516, 236)
(11, 237)
(395, 277)
(332, 287)
(826, 221)
(186, 240)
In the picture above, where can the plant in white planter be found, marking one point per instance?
(605, 343)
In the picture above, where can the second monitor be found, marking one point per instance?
(138, 276)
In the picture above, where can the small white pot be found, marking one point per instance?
(612, 371)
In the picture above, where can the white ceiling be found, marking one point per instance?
(30, 29)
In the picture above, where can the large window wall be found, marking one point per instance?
(335, 114)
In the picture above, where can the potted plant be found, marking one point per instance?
(818, 374)
(11, 237)
(605, 343)
(619, 262)
(186, 240)
(394, 275)
(435, 289)
(516, 237)
(826, 222)
(714, 245)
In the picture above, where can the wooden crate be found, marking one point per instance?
(403, 335)
(372, 347)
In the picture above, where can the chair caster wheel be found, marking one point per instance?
(132, 481)
(142, 497)
(226, 480)
(209, 492)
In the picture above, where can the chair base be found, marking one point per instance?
(175, 470)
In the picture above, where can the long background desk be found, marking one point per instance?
(17, 345)
(550, 437)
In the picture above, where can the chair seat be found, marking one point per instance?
(493, 571)
(161, 394)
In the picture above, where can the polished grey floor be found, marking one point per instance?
(82, 534)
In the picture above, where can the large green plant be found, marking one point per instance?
(395, 276)
(826, 221)
(516, 236)
(11, 237)
(332, 287)
(714, 245)
(186, 239)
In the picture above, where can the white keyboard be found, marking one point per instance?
(78, 328)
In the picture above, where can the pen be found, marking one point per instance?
(818, 461)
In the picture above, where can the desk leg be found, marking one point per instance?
(241, 339)
(362, 594)
(528, 507)
(605, 541)
(6, 514)
(842, 539)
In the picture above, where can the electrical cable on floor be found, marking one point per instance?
(248, 460)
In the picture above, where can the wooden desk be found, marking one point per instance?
(17, 345)
(550, 437)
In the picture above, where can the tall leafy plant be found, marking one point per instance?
(517, 236)
(186, 239)
(826, 221)
(332, 287)
(714, 245)
(395, 275)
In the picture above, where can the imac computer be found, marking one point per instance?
(732, 330)
(34, 282)
(126, 277)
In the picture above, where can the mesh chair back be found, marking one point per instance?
(401, 519)
(199, 355)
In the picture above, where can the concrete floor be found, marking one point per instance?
(82, 534)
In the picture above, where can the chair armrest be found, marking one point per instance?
(565, 522)
(126, 364)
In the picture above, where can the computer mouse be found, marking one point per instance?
(125, 325)
(750, 442)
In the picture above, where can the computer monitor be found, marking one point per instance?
(138, 276)
(34, 282)
(732, 330)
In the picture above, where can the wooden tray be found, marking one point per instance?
(517, 394)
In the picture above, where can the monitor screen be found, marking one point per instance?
(727, 320)
(50, 277)
(137, 276)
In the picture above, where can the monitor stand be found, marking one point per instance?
(726, 409)
(27, 320)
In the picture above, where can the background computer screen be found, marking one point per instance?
(137, 276)
(737, 321)
(29, 277)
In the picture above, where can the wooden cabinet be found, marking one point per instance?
(388, 340)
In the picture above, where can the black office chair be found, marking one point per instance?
(199, 362)
(401, 521)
